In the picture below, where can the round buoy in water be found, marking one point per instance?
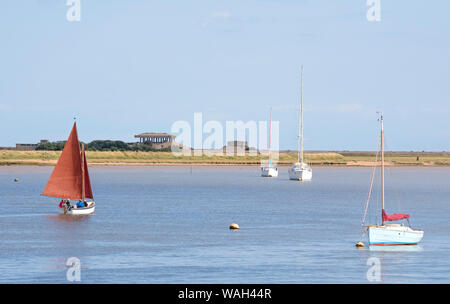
(359, 244)
(234, 226)
(16, 180)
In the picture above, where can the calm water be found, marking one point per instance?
(170, 225)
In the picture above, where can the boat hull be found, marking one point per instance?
(300, 175)
(269, 172)
(390, 236)
(79, 211)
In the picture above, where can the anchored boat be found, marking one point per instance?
(269, 170)
(300, 171)
(389, 234)
(70, 179)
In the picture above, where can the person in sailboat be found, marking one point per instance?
(70, 177)
(65, 204)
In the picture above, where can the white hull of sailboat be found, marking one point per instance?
(269, 172)
(394, 235)
(300, 174)
(79, 211)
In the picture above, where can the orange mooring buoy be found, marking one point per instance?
(234, 226)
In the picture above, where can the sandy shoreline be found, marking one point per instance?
(315, 159)
(230, 164)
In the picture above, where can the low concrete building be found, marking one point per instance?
(29, 147)
(156, 140)
(26, 147)
(236, 147)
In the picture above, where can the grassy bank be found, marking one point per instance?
(8, 157)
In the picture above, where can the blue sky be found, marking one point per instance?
(137, 65)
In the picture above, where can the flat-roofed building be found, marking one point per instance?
(236, 147)
(156, 140)
(27, 147)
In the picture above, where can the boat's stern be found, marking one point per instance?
(269, 172)
(300, 172)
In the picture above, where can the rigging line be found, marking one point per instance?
(370, 188)
(377, 206)
(373, 214)
(363, 233)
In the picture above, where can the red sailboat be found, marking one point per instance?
(70, 178)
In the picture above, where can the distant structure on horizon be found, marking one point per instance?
(25, 147)
(156, 140)
(236, 147)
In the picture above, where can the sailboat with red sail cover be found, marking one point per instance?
(70, 178)
(389, 234)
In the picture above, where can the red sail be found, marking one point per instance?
(393, 217)
(87, 181)
(66, 178)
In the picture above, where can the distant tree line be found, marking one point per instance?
(107, 145)
(51, 146)
(101, 145)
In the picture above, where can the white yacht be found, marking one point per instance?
(269, 170)
(300, 171)
(390, 234)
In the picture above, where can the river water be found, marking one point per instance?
(169, 224)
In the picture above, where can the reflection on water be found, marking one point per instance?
(399, 248)
(69, 218)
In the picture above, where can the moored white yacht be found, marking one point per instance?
(300, 171)
(269, 170)
(390, 234)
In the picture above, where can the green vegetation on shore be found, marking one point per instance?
(100, 145)
(11, 157)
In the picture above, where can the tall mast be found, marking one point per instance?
(300, 135)
(270, 135)
(382, 167)
(82, 173)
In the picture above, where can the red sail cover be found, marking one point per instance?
(66, 178)
(393, 217)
